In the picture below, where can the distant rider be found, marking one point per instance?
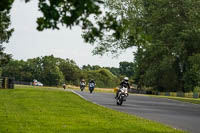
(82, 84)
(124, 83)
(64, 86)
(91, 85)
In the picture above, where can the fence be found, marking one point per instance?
(23, 83)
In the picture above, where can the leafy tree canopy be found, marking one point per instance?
(5, 30)
(126, 68)
(66, 12)
(167, 36)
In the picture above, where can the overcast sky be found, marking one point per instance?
(26, 42)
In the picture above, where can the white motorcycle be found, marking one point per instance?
(82, 86)
(123, 94)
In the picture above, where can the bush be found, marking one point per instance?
(196, 89)
(103, 78)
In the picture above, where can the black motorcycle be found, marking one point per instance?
(91, 87)
(123, 94)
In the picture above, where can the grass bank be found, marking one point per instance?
(106, 90)
(183, 99)
(47, 110)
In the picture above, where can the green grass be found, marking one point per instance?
(47, 110)
(105, 90)
(183, 99)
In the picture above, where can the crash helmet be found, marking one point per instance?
(126, 79)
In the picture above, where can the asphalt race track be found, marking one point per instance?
(177, 114)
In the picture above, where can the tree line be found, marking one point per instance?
(53, 71)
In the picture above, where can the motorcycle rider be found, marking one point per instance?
(91, 85)
(124, 83)
(64, 86)
(82, 83)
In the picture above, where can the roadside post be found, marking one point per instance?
(7, 83)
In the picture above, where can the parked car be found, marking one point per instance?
(37, 83)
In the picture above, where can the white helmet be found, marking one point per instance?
(126, 79)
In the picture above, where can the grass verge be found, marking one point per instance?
(183, 99)
(47, 110)
(105, 90)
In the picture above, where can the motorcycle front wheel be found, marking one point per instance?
(82, 88)
(119, 100)
(91, 90)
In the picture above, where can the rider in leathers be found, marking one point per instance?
(123, 83)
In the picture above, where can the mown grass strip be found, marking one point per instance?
(183, 99)
(106, 90)
(48, 110)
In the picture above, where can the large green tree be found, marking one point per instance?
(46, 70)
(19, 70)
(166, 34)
(71, 71)
(5, 30)
(126, 68)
